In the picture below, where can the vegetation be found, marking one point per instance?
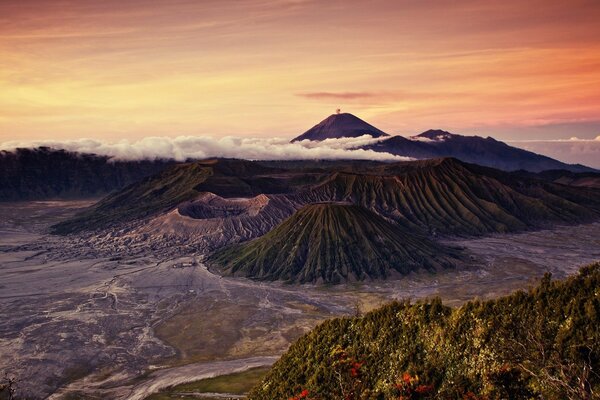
(157, 193)
(544, 343)
(330, 243)
(237, 383)
(431, 197)
(446, 196)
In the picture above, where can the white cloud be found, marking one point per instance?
(573, 150)
(198, 147)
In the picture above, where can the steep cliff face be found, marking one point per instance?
(43, 173)
(450, 197)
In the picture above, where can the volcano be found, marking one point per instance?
(337, 126)
(486, 151)
(332, 243)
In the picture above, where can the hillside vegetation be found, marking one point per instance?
(156, 193)
(440, 196)
(329, 242)
(540, 344)
(450, 197)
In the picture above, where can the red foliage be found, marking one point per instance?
(408, 388)
(303, 395)
(423, 389)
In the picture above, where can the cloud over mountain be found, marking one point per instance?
(183, 147)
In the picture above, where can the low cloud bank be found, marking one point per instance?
(197, 147)
(572, 151)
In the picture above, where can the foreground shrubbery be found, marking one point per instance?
(544, 343)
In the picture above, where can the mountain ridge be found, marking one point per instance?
(330, 243)
(43, 173)
(472, 149)
(436, 196)
(435, 143)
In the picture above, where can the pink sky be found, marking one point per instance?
(129, 69)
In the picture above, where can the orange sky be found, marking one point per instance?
(116, 69)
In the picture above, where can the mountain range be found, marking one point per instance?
(48, 173)
(438, 143)
(406, 205)
(314, 220)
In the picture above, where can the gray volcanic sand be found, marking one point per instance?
(91, 324)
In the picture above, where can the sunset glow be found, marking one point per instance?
(130, 69)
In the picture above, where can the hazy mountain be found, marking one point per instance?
(437, 143)
(43, 173)
(473, 149)
(339, 126)
(333, 242)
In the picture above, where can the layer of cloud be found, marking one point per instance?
(198, 147)
(573, 150)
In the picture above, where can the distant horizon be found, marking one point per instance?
(572, 150)
(115, 69)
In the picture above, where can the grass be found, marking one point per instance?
(206, 331)
(238, 383)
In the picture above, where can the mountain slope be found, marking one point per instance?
(340, 126)
(328, 242)
(450, 197)
(157, 193)
(578, 179)
(43, 173)
(544, 343)
(472, 149)
(440, 196)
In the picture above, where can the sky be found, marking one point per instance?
(116, 69)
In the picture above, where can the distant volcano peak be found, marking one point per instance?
(435, 134)
(340, 125)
